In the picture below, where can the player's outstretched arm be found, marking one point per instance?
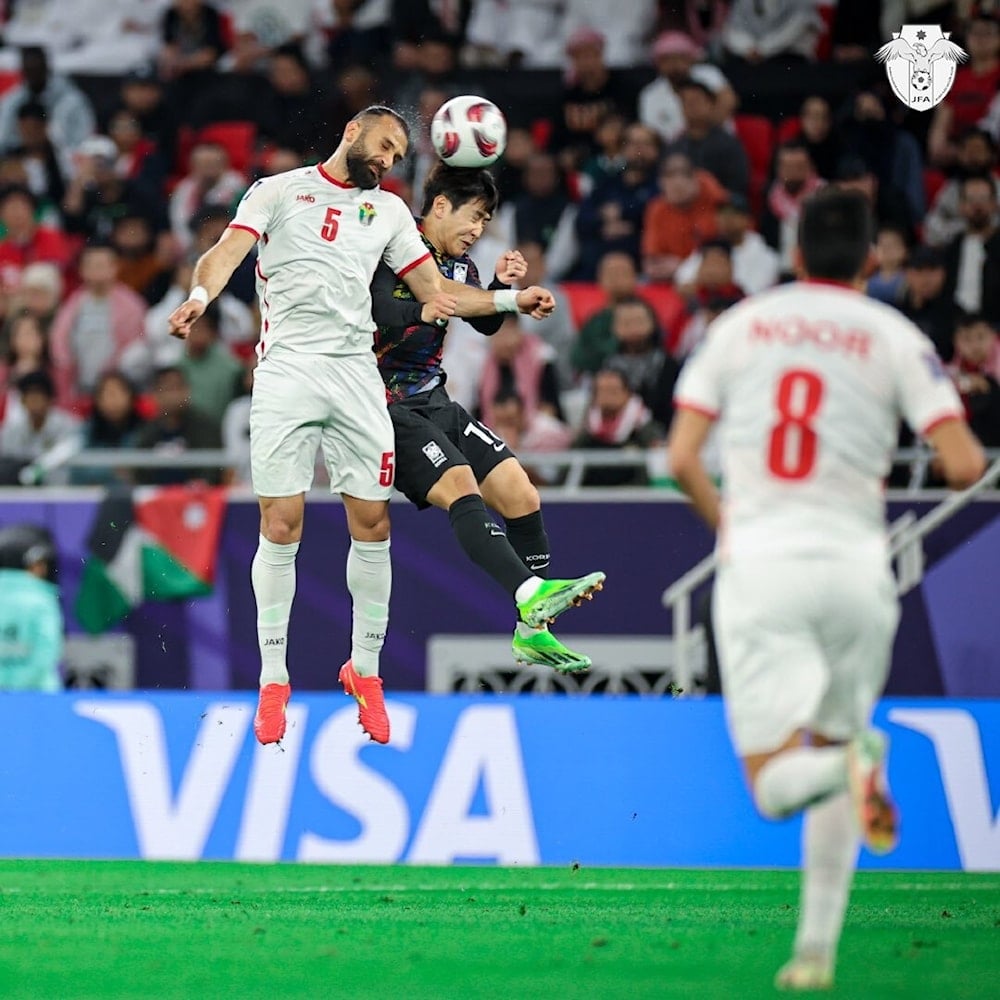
(959, 452)
(425, 281)
(688, 431)
(211, 274)
(390, 311)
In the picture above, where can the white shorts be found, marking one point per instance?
(304, 401)
(803, 644)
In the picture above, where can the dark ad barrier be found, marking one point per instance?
(949, 639)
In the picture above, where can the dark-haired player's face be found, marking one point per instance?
(377, 149)
(460, 227)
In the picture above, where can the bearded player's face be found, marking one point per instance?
(379, 146)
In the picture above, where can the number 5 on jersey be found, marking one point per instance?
(791, 452)
(330, 225)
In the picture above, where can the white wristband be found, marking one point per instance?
(505, 300)
(199, 294)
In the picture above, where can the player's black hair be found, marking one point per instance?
(381, 111)
(835, 234)
(460, 185)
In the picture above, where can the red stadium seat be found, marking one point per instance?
(757, 134)
(587, 298)
(934, 180)
(237, 138)
(541, 133)
(788, 128)
(185, 143)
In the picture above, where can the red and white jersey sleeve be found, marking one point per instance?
(319, 242)
(254, 212)
(925, 392)
(699, 387)
(809, 382)
(405, 249)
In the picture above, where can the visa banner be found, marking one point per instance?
(505, 780)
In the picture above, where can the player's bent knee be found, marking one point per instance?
(457, 482)
(509, 491)
(367, 520)
(281, 519)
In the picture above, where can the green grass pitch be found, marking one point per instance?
(75, 930)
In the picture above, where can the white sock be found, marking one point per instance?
(799, 777)
(369, 579)
(527, 589)
(829, 854)
(273, 576)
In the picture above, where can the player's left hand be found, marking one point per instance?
(536, 302)
(511, 267)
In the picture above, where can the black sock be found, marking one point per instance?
(528, 539)
(485, 544)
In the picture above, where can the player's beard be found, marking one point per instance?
(361, 171)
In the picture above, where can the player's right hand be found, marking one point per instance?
(183, 318)
(439, 308)
(536, 302)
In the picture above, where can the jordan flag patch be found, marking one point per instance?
(149, 544)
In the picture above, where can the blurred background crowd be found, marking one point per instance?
(658, 155)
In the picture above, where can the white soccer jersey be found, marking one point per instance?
(809, 381)
(318, 243)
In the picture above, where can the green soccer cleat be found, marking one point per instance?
(554, 597)
(543, 648)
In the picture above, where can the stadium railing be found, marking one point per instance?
(575, 462)
(906, 536)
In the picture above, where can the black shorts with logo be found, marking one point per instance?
(434, 434)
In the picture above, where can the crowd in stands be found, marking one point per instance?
(658, 157)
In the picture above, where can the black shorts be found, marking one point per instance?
(433, 435)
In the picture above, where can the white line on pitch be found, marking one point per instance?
(544, 887)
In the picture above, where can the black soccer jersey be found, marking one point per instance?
(409, 350)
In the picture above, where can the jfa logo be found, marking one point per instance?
(920, 62)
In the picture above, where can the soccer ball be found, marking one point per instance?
(921, 80)
(469, 131)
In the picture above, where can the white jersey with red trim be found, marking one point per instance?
(809, 381)
(319, 242)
